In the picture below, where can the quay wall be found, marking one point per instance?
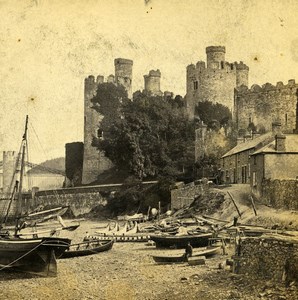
(267, 258)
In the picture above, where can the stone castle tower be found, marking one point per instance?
(216, 82)
(152, 83)
(94, 161)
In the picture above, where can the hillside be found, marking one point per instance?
(56, 164)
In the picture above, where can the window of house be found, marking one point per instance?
(249, 120)
(195, 85)
(232, 67)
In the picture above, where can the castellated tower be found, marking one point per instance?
(9, 166)
(123, 74)
(216, 82)
(95, 162)
(152, 83)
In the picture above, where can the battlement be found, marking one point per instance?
(153, 73)
(255, 88)
(123, 61)
(216, 49)
(241, 66)
(9, 154)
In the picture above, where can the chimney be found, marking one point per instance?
(276, 128)
(280, 143)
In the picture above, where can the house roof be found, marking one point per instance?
(291, 145)
(250, 144)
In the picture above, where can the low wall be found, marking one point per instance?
(280, 193)
(81, 200)
(185, 195)
(267, 258)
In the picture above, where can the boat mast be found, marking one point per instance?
(19, 201)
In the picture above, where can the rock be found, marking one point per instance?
(197, 260)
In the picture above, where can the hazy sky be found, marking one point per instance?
(47, 48)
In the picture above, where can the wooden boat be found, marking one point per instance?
(44, 215)
(88, 248)
(32, 255)
(181, 241)
(181, 258)
(169, 259)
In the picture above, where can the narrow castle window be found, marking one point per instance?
(249, 120)
(99, 133)
(286, 119)
(232, 67)
(222, 64)
(195, 85)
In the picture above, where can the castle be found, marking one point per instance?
(216, 82)
(221, 82)
(94, 161)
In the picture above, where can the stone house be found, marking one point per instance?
(274, 172)
(235, 164)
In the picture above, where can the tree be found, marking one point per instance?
(209, 112)
(147, 136)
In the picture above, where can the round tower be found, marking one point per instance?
(9, 166)
(123, 73)
(242, 71)
(215, 57)
(152, 83)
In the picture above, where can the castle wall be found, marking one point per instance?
(266, 104)
(95, 162)
(216, 82)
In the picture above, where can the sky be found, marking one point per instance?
(48, 47)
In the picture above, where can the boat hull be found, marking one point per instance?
(169, 259)
(35, 256)
(88, 248)
(162, 241)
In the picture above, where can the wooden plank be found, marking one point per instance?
(253, 205)
(238, 211)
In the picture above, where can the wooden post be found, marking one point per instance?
(253, 205)
(234, 204)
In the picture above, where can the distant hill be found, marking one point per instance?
(51, 165)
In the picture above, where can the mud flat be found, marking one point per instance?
(129, 272)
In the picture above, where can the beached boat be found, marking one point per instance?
(31, 255)
(169, 259)
(181, 241)
(88, 248)
(181, 258)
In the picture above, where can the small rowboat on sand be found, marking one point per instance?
(181, 258)
(88, 248)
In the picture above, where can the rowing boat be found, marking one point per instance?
(88, 248)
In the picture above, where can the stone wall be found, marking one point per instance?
(280, 193)
(267, 258)
(264, 105)
(183, 196)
